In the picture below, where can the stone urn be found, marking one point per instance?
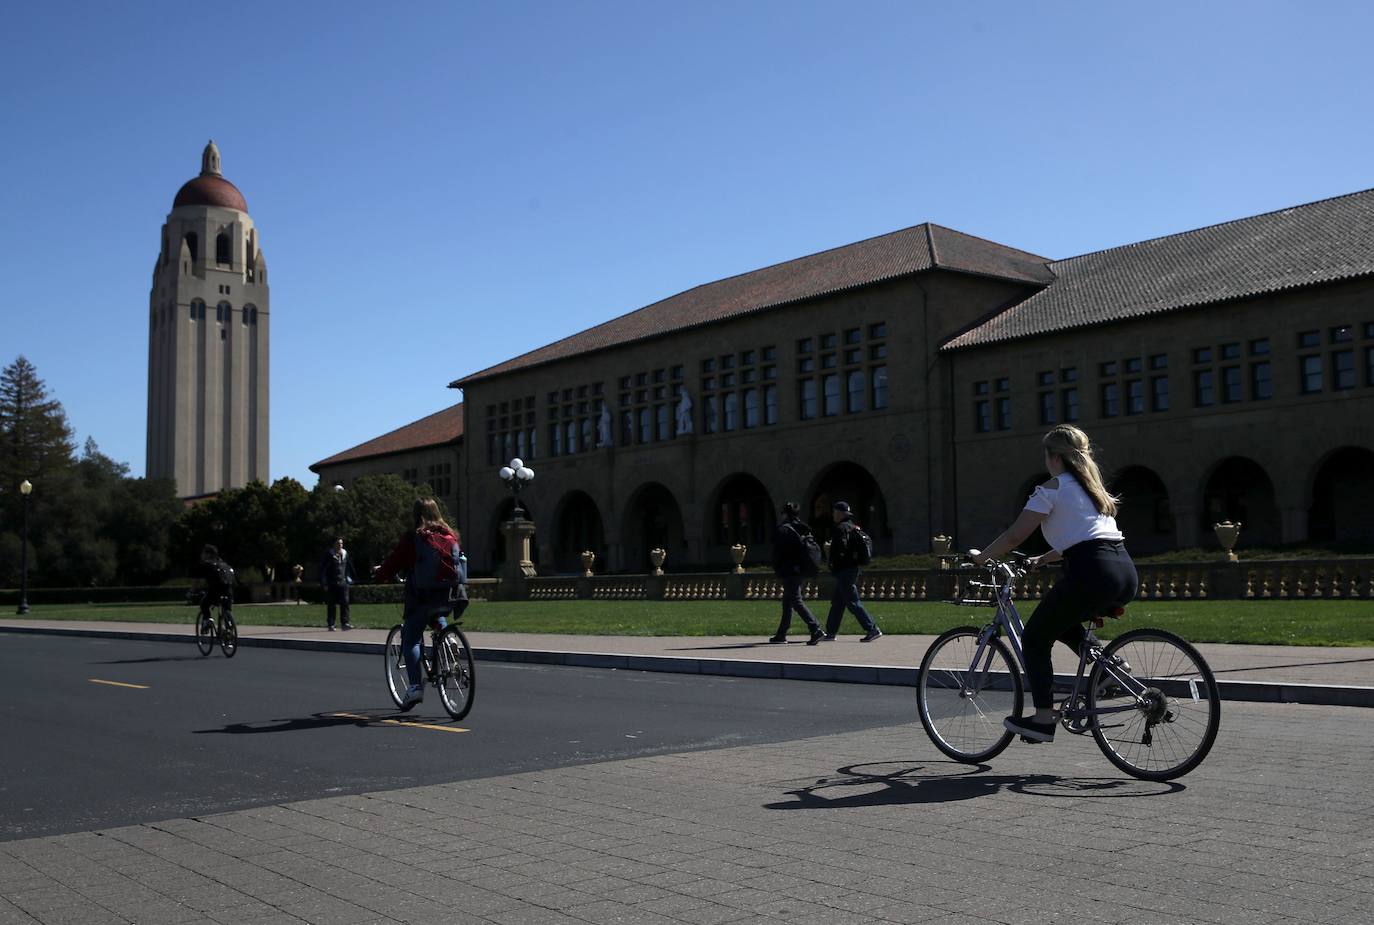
(658, 557)
(737, 552)
(1227, 534)
(588, 560)
(940, 545)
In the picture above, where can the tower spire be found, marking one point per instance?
(209, 160)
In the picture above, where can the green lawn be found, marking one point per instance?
(1326, 623)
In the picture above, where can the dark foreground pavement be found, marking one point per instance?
(864, 826)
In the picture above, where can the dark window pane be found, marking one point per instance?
(806, 365)
(770, 354)
(855, 387)
(1070, 406)
(1107, 369)
(676, 374)
(1048, 409)
(1004, 414)
(1068, 374)
(1230, 384)
(708, 416)
(661, 431)
(807, 399)
(982, 417)
(1343, 334)
(1202, 355)
(852, 336)
(830, 389)
(1159, 361)
(853, 355)
(751, 408)
(1343, 369)
(804, 345)
(587, 441)
(1159, 393)
(879, 377)
(646, 426)
(1311, 374)
(1230, 351)
(1044, 378)
(1261, 385)
(878, 329)
(1111, 400)
(1309, 339)
(1369, 366)
(770, 404)
(980, 388)
(627, 428)
(1259, 347)
(1135, 397)
(730, 407)
(827, 361)
(570, 437)
(708, 365)
(747, 358)
(827, 341)
(1002, 385)
(1132, 365)
(1204, 388)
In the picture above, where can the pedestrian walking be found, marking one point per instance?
(796, 557)
(850, 550)
(336, 574)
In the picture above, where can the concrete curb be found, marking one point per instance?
(1242, 691)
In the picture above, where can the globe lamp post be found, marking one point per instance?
(25, 489)
(517, 476)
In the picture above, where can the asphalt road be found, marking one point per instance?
(81, 749)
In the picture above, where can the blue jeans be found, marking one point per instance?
(430, 607)
(847, 595)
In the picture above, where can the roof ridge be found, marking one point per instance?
(978, 237)
(1233, 221)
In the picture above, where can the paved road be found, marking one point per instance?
(203, 735)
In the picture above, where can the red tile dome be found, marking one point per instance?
(210, 190)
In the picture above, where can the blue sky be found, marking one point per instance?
(440, 186)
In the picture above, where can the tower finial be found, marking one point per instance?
(209, 160)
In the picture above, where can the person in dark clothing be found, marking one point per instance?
(792, 564)
(844, 564)
(219, 581)
(336, 574)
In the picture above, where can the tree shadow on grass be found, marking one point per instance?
(896, 783)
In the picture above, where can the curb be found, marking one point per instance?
(1240, 691)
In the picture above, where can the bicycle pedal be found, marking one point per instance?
(1029, 741)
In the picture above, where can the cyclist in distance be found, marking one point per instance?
(219, 581)
(430, 555)
(1077, 516)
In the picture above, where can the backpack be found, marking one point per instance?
(811, 562)
(438, 562)
(796, 550)
(860, 545)
(224, 574)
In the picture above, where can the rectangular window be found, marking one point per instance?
(1259, 347)
(1230, 351)
(1002, 385)
(646, 426)
(853, 355)
(807, 399)
(804, 345)
(570, 437)
(1003, 407)
(747, 358)
(1343, 369)
(1369, 366)
(1048, 409)
(877, 329)
(556, 439)
(770, 372)
(676, 375)
(770, 354)
(1309, 339)
(806, 365)
(1343, 334)
(1132, 365)
(980, 388)
(830, 391)
(1107, 369)
(1111, 400)
(727, 380)
(708, 365)
(748, 375)
(1230, 384)
(727, 361)
(661, 431)
(853, 336)
(1044, 378)
(1068, 374)
(1202, 355)
(1310, 372)
(660, 375)
(827, 341)
(708, 414)
(1070, 405)
(730, 408)
(982, 416)
(1261, 385)
(878, 376)
(827, 361)
(750, 399)
(770, 404)
(1204, 388)
(1159, 361)
(877, 352)
(533, 445)
(1135, 396)
(1159, 393)
(855, 389)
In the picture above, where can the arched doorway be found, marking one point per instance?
(652, 520)
(498, 539)
(743, 512)
(1343, 497)
(1143, 512)
(577, 527)
(1239, 490)
(851, 482)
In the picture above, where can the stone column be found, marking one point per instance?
(518, 565)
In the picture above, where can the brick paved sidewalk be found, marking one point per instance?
(872, 827)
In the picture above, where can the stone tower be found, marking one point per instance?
(208, 326)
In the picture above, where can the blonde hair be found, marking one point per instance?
(427, 517)
(1072, 446)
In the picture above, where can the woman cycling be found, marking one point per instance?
(431, 556)
(1078, 518)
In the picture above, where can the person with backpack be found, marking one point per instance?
(430, 554)
(850, 549)
(796, 557)
(219, 581)
(336, 574)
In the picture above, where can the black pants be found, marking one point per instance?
(1098, 575)
(336, 596)
(792, 601)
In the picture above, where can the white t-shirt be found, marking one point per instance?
(1072, 518)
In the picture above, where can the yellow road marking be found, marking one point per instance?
(401, 722)
(140, 687)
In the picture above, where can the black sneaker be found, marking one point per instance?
(816, 637)
(778, 638)
(348, 626)
(828, 637)
(331, 627)
(873, 634)
(1029, 729)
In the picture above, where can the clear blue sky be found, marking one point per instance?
(440, 186)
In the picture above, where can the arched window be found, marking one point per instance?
(255, 314)
(193, 245)
(250, 314)
(223, 253)
(224, 312)
(197, 310)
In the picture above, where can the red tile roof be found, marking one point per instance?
(436, 430)
(911, 250)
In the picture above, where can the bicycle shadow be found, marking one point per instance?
(895, 783)
(359, 718)
(162, 658)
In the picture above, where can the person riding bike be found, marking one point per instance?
(430, 554)
(219, 582)
(1077, 516)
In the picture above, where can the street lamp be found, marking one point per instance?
(516, 476)
(25, 489)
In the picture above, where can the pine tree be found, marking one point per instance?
(35, 438)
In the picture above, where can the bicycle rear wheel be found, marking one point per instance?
(961, 705)
(228, 634)
(397, 681)
(205, 633)
(1169, 708)
(454, 673)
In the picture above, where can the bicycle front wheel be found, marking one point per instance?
(228, 634)
(454, 671)
(1160, 701)
(205, 633)
(962, 703)
(397, 681)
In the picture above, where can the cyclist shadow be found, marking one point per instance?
(161, 658)
(892, 783)
(360, 719)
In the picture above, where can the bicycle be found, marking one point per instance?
(216, 624)
(447, 663)
(1150, 701)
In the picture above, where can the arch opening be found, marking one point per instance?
(1239, 490)
(1342, 498)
